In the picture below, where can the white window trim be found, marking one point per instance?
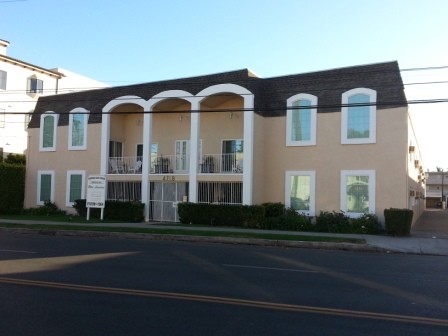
(313, 126)
(312, 175)
(78, 110)
(41, 140)
(372, 187)
(372, 115)
(83, 185)
(39, 174)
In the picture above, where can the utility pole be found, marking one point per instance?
(443, 173)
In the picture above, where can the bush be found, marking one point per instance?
(398, 221)
(273, 209)
(337, 222)
(366, 224)
(114, 210)
(221, 214)
(15, 159)
(48, 209)
(12, 187)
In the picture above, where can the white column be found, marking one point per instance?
(195, 127)
(147, 141)
(105, 133)
(248, 168)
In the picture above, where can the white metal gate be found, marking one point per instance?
(164, 199)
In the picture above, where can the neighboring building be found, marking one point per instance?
(436, 186)
(331, 140)
(21, 84)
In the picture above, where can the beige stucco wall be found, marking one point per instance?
(215, 127)
(60, 161)
(329, 157)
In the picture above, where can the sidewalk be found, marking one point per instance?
(429, 236)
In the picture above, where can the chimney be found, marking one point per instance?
(3, 45)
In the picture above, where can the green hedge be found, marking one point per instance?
(221, 215)
(269, 216)
(398, 221)
(274, 216)
(113, 210)
(12, 187)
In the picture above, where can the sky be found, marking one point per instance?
(137, 41)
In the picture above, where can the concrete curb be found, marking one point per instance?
(204, 239)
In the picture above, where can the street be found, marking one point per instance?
(106, 286)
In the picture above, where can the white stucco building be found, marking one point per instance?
(21, 84)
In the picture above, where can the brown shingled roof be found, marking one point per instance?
(270, 94)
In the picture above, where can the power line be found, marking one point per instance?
(329, 106)
(316, 75)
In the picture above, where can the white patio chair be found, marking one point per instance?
(136, 167)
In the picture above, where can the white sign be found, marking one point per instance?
(96, 191)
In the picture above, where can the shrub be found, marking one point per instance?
(366, 224)
(273, 209)
(295, 221)
(337, 222)
(398, 221)
(221, 214)
(12, 187)
(15, 159)
(48, 209)
(114, 210)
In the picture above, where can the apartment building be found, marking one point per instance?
(338, 139)
(436, 189)
(21, 84)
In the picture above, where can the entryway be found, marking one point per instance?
(164, 199)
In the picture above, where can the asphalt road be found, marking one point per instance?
(89, 286)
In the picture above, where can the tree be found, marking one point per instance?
(17, 159)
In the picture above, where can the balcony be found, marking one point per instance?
(125, 165)
(179, 164)
(221, 164)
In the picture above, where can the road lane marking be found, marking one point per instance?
(232, 301)
(271, 268)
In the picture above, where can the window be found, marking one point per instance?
(301, 118)
(78, 129)
(115, 149)
(2, 118)
(3, 78)
(75, 186)
(27, 120)
(358, 116)
(357, 192)
(139, 152)
(232, 155)
(45, 186)
(48, 125)
(35, 85)
(300, 191)
(154, 153)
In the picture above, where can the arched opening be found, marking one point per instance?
(125, 145)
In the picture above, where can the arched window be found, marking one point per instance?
(301, 116)
(77, 135)
(48, 125)
(358, 116)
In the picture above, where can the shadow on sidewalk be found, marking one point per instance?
(433, 222)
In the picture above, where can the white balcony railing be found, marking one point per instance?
(125, 165)
(221, 164)
(179, 164)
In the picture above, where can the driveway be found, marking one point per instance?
(432, 223)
